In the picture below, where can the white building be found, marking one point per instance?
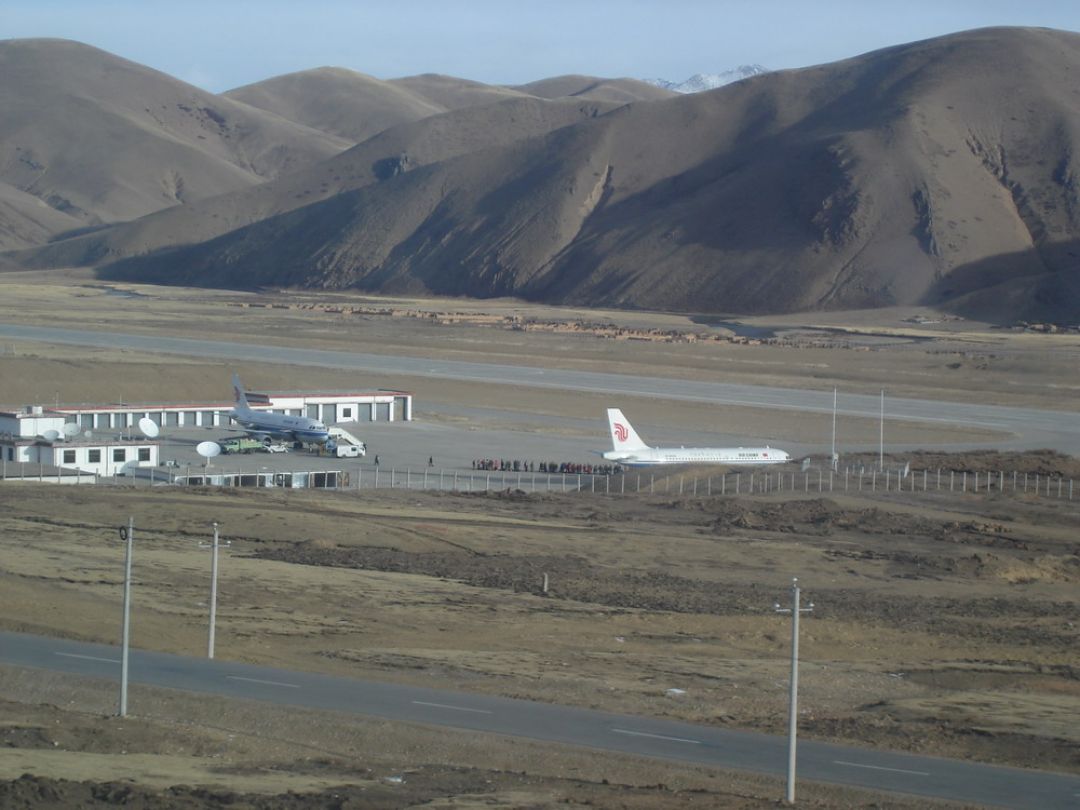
(35, 436)
(329, 408)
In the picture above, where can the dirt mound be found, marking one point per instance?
(818, 516)
(413, 789)
(1033, 462)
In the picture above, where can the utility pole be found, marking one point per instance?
(213, 594)
(127, 534)
(833, 457)
(793, 700)
(213, 589)
(881, 441)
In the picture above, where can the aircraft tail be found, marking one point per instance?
(238, 393)
(623, 435)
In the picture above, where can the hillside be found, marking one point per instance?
(342, 102)
(621, 91)
(936, 172)
(98, 139)
(396, 150)
(356, 106)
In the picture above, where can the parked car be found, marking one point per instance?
(349, 451)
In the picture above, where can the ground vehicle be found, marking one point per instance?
(350, 451)
(277, 448)
(240, 444)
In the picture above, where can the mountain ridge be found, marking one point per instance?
(938, 173)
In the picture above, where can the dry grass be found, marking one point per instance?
(944, 624)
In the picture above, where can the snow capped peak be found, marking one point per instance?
(710, 81)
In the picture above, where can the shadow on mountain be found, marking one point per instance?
(1032, 285)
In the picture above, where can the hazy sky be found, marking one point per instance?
(220, 44)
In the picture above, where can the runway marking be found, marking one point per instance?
(89, 657)
(655, 736)
(259, 680)
(880, 768)
(454, 708)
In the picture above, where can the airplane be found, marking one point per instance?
(628, 449)
(267, 426)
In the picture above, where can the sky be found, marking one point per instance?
(221, 44)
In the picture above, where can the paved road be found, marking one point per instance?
(1030, 428)
(723, 748)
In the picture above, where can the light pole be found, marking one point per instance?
(793, 700)
(127, 534)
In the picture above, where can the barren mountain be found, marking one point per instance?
(399, 149)
(621, 91)
(99, 139)
(342, 102)
(451, 93)
(937, 172)
(27, 220)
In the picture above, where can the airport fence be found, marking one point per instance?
(755, 482)
(851, 480)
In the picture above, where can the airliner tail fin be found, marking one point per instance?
(623, 435)
(238, 392)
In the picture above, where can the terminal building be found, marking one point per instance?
(105, 439)
(328, 408)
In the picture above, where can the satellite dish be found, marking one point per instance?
(87, 434)
(149, 427)
(208, 449)
(51, 435)
(71, 430)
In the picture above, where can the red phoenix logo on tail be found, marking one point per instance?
(620, 431)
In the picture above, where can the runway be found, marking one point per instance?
(714, 746)
(1030, 428)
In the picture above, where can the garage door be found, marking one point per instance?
(382, 411)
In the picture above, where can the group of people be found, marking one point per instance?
(555, 467)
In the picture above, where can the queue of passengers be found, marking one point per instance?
(555, 467)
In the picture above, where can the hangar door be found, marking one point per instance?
(382, 411)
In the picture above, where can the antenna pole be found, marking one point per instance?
(213, 593)
(130, 537)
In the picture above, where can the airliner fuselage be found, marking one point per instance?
(627, 448)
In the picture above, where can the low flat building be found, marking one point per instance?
(37, 436)
(329, 408)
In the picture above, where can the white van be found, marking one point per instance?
(349, 451)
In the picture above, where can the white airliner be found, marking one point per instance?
(267, 425)
(630, 450)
